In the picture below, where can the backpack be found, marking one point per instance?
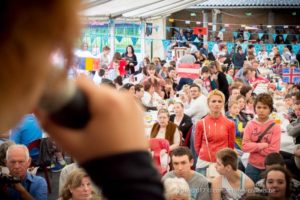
(47, 150)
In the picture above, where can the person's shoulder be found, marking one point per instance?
(199, 177)
(170, 174)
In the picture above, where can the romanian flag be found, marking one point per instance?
(89, 64)
(186, 70)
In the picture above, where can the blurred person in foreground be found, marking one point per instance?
(28, 39)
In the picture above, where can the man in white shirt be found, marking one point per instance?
(197, 108)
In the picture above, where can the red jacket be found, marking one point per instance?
(220, 134)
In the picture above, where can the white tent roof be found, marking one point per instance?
(135, 8)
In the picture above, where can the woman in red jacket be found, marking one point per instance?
(219, 130)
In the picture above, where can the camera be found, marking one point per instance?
(7, 179)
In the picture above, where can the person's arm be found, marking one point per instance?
(231, 135)
(25, 195)
(176, 140)
(108, 156)
(216, 188)
(198, 136)
(294, 131)
(249, 186)
(248, 145)
(274, 145)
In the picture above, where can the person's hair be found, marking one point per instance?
(247, 70)
(228, 157)
(204, 70)
(232, 102)
(245, 89)
(115, 60)
(287, 177)
(132, 49)
(172, 63)
(235, 85)
(147, 86)
(176, 186)
(106, 48)
(265, 99)
(127, 86)
(180, 103)
(3, 149)
(274, 158)
(240, 97)
(170, 69)
(138, 87)
(250, 46)
(119, 80)
(101, 72)
(297, 102)
(217, 93)
(215, 64)
(163, 110)
(117, 56)
(249, 99)
(288, 96)
(73, 181)
(197, 86)
(182, 151)
(17, 146)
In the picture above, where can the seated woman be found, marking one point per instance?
(232, 183)
(176, 188)
(153, 78)
(277, 182)
(166, 130)
(78, 186)
(183, 121)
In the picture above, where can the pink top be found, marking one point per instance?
(257, 151)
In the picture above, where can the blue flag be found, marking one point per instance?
(119, 38)
(284, 36)
(274, 36)
(166, 43)
(260, 35)
(210, 45)
(134, 40)
(196, 40)
(235, 34)
(230, 46)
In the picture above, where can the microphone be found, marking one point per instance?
(66, 104)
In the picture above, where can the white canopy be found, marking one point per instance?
(137, 9)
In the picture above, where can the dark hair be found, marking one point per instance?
(245, 89)
(131, 49)
(287, 176)
(106, 48)
(204, 69)
(170, 69)
(119, 80)
(228, 157)
(182, 151)
(211, 57)
(195, 85)
(250, 46)
(138, 87)
(101, 72)
(274, 159)
(288, 96)
(127, 86)
(172, 63)
(264, 98)
(147, 86)
(117, 56)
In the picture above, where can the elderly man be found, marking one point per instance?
(30, 187)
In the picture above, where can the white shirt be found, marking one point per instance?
(197, 108)
(97, 79)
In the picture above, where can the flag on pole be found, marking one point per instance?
(187, 70)
(291, 75)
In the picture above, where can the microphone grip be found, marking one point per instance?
(75, 114)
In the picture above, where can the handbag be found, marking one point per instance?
(264, 133)
(211, 171)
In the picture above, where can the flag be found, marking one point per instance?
(260, 35)
(291, 75)
(187, 70)
(235, 34)
(89, 64)
(200, 30)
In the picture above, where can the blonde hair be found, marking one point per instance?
(231, 102)
(176, 187)
(73, 181)
(217, 93)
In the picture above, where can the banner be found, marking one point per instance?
(260, 35)
(119, 38)
(230, 46)
(196, 40)
(210, 45)
(187, 70)
(235, 34)
(89, 64)
(291, 75)
(274, 36)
